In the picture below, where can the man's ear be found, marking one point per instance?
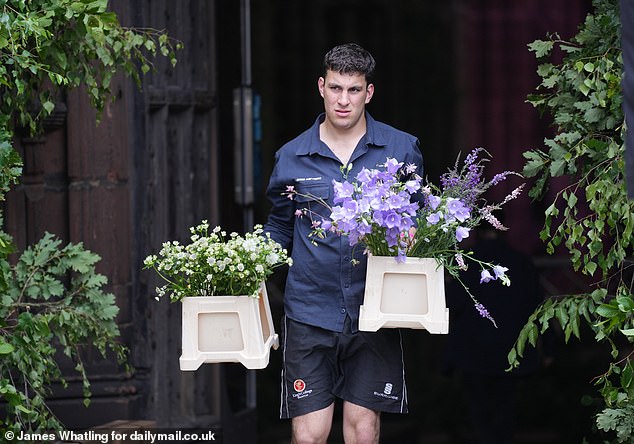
(370, 93)
(320, 85)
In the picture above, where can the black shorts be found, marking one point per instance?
(364, 368)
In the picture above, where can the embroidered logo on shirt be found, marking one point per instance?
(307, 179)
(388, 389)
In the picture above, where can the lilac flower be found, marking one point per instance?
(457, 208)
(449, 218)
(392, 219)
(460, 261)
(378, 217)
(392, 236)
(299, 213)
(337, 213)
(382, 209)
(364, 176)
(484, 313)
(396, 201)
(392, 165)
(485, 276)
(490, 218)
(411, 209)
(461, 233)
(513, 195)
(500, 177)
(499, 271)
(379, 204)
(343, 190)
(364, 205)
(350, 206)
(472, 157)
(434, 218)
(412, 186)
(433, 201)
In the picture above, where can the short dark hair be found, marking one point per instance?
(349, 58)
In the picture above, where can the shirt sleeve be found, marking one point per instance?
(281, 218)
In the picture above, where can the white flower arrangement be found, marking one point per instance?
(215, 263)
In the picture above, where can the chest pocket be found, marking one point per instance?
(311, 197)
(310, 192)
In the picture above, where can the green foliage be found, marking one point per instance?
(583, 95)
(52, 295)
(50, 44)
(10, 162)
(52, 299)
(591, 217)
(620, 421)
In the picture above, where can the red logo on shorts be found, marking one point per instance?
(299, 385)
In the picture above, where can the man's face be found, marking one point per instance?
(345, 97)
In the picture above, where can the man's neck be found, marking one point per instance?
(342, 141)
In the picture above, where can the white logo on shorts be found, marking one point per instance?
(388, 388)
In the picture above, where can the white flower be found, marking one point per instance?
(216, 264)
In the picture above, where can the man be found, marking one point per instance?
(324, 355)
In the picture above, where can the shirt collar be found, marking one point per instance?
(373, 136)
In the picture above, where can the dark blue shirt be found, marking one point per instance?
(323, 286)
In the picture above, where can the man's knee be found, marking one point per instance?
(312, 428)
(361, 425)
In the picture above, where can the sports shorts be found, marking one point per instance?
(364, 368)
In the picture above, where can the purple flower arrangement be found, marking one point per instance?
(392, 213)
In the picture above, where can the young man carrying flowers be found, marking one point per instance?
(325, 356)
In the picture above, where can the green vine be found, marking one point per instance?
(591, 216)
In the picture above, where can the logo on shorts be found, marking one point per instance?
(299, 385)
(387, 392)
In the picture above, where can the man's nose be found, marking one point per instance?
(344, 98)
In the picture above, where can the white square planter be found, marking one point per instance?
(227, 329)
(408, 294)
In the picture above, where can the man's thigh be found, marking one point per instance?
(372, 371)
(309, 368)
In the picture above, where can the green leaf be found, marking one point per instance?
(5, 348)
(557, 167)
(541, 47)
(48, 106)
(626, 376)
(607, 311)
